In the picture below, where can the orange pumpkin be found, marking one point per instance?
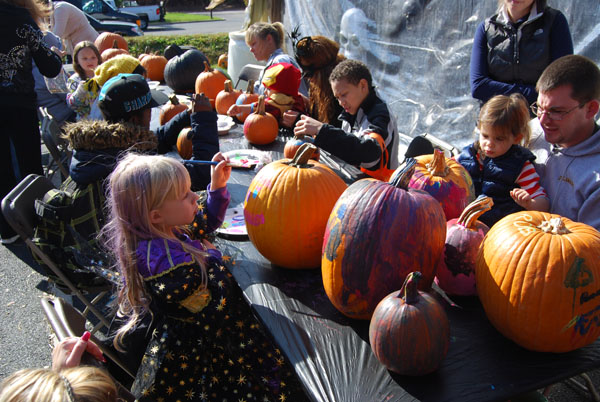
(446, 180)
(106, 40)
(170, 110)
(292, 146)
(222, 62)
(112, 52)
(284, 218)
(261, 127)
(210, 82)
(184, 144)
(226, 98)
(155, 66)
(244, 99)
(538, 278)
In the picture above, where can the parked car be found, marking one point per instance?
(103, 11)
(147, 13)
(121, 27)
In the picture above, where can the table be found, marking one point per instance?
(331, 353)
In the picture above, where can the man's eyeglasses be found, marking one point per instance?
(552, 114)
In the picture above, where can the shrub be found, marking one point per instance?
(212, 45)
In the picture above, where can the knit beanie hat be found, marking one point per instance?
(283, 78)
(121, 64)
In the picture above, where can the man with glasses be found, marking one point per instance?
(566, 107)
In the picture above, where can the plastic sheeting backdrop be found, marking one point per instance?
(419, 52)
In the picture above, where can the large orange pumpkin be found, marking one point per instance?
(210, 82)
(409, 332)
(226, 98)
(170, 110)
(286, 209)
(261, 127)
(155, 66)
(376, 235)
(106, 40)
(244, 99)
(184, 144)
(446, 180)
(538, 278)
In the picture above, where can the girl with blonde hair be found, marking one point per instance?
(201, 326)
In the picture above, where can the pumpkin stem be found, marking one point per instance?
(303, 155)
(474, 210)
(207, 67)
(115, 44)
(228, 86)
(555, 226)
(250, 88)
(402, 176)
(409, 291)
(261, 106)
(437, 166)
(173, 99)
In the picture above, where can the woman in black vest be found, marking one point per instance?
(514, 46)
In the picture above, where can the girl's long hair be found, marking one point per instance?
(39, 10)
(138, 185)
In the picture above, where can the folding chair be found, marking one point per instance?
(249, 72)
(57, 147)
(66, 322)
(18, 208)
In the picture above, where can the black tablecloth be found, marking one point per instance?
(331, 353)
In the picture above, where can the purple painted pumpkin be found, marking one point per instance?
(409, 332)
(463, 238)
(376, 235)
(446, 180)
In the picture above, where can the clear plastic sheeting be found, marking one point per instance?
(419, 52)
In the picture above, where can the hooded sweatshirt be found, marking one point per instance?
(571, 177)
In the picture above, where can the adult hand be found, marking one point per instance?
(289, 118)
(307, 126)
(200, 103)
(69, 351)
(219, 175)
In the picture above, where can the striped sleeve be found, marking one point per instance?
(529, 181)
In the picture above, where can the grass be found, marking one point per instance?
(212, 45)
(171, 17)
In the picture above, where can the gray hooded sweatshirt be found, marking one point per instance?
(571, 178)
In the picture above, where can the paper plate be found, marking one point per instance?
(224, 124)
(234, 223)
(247, 158)
(153, 84)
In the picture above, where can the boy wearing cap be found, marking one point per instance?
(281, 81)
(125, 102)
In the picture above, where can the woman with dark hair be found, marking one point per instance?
(514, 46)
(317, 56)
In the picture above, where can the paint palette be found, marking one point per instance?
(234, 223)
(244, 158)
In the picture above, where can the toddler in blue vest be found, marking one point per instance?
(500, 167)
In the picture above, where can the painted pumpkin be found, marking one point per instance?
(538, 278)
(284, 217)
(155, 66)
(446, 180)
(210, 82)
(226, 98)
(261, 127)
(244, 99)
(106, 40)
(112, 52)
(170, 109)
(295, 143)
(222, 61)
(463, 238)
(184, 143)
(376, 235)
(182, 70)
(409, 331)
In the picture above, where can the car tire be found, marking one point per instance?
(144, 23)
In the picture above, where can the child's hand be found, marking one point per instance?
(69, 351)
(307, 126)
(200, 103)
(521, 197)
(219, 175)
(60, 53)
(233, 110)
(288, 118)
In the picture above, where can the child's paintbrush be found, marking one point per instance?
(236, 163)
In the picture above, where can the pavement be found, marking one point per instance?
(232, 20)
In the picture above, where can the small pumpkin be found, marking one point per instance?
(538, 279)
(106, 40)
(446, 180)
(409, 332)
(246, 98)
(463, 238)
(284, 218)
(155, 66)
(260, 127)
(112, 52)
(184, 143)
(226, 98)
(210, 82)
(170, 109)
(222, 62)
(376, 235)
(292, 146)
(182, 70)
